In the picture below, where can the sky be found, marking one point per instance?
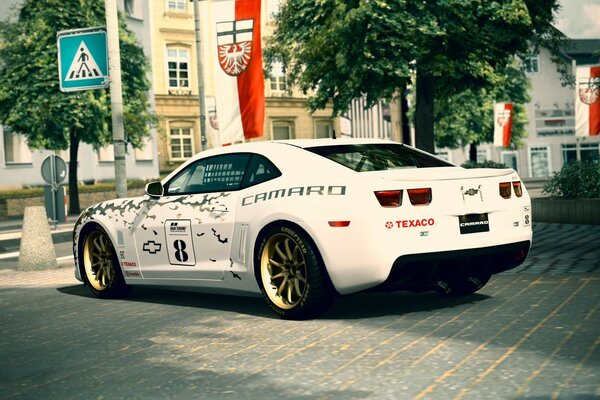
(579, 19)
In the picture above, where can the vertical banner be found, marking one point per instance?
(503, 116)
(212, 128)
(239, 82)
(587, 101)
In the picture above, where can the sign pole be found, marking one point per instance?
(116, 96)
(201, 100)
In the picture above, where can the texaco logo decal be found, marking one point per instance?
(234, 45)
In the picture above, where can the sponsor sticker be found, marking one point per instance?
(526, 215)
(410, 223)
(180, 247)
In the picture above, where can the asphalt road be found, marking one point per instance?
(531, 333)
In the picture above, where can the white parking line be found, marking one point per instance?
(15, 254)
(4, 256)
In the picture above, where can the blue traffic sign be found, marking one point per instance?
(82, 59)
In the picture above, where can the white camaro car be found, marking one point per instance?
(302, 221)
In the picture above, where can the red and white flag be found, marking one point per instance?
(587, 101)
(503, 117)
(239, 82)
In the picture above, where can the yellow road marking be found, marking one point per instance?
(466, 328)
(439, 380)
(514, 347)
(537, 372)
(566, 383)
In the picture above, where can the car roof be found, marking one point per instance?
(272, 147)
(268, 146)
(304, 143)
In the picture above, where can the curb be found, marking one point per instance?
(13, 242)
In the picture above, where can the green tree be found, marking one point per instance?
(467, 117)
(341, 50)
(31, 102)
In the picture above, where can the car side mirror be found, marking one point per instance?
(154, 189)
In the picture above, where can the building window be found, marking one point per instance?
(181, 142)
(16, 150)
(133, 8)
(539, 158)
(510, 159)
(582, 152)
(178, 67)
(483, 154)
(283, 130)
(176, 5)
(444, 154)
(278, 80)
(532, 64)
(569, 153)
(323, 130)
(590, 152)
(106, 153)
(145, 152)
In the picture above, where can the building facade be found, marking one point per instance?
(20, 166)
(551, 141)
(174, 66)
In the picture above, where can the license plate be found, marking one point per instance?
(473, 223)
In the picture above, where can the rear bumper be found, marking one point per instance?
(420, 271)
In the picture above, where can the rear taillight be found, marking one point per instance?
(505, 190)
(389, 198)
(419, 197)
(517, 189)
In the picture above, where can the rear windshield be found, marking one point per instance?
(378, 157)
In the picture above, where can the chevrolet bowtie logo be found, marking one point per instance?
(152, 247)
(471, 192)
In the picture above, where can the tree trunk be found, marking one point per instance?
(473, 152)
(73, 188)
(424, 139)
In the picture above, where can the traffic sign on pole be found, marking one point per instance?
(82, 59)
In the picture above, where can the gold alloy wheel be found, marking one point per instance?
(97, 260)
(283, 271)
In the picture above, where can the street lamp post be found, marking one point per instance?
(116, 97)
(201, 100)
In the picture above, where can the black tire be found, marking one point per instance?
(99, 266)
(291, 274)
(463, 286)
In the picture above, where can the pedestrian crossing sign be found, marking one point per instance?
(82, 59)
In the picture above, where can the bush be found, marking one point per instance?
(485, 164)
(575, 181)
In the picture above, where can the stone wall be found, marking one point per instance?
(14, 208)
(580, 211)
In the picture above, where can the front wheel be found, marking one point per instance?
(291, 275)
(100, 267)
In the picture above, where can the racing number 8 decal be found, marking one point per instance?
(180, 253)
(180, 244)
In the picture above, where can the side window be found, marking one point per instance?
(216, 174)
(259, 170)
(223, 174)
